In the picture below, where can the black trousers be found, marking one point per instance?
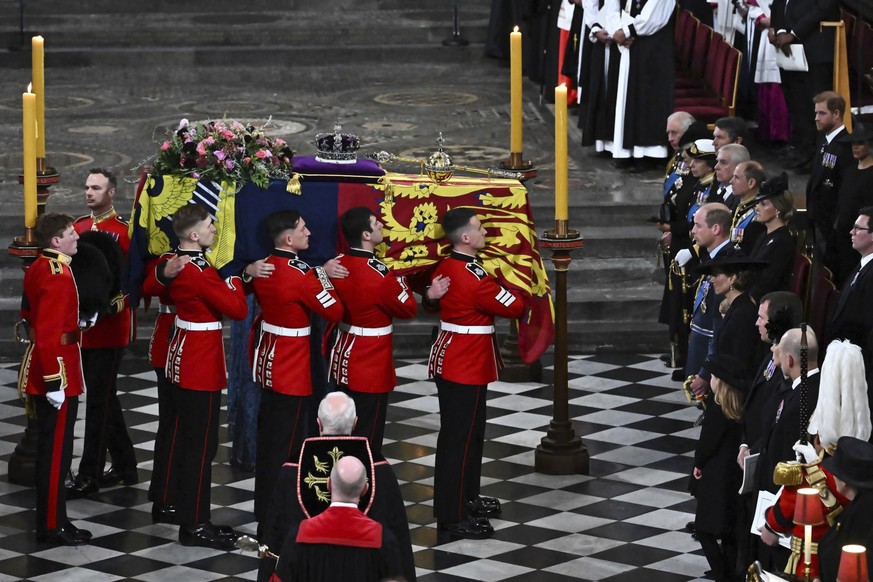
(193, 447)
(281, 427)
(104, 421)
(722, 558)
(163, 438)
(54, 454)
(459, 448)
(371, 409)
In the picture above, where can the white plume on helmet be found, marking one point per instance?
(843, 408)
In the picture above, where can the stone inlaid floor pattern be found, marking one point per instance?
(624, 521)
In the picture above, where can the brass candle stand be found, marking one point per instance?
(22, 462)
(561, 452)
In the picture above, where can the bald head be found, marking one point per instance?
(336, 415)
(787, 352)
(348, 480)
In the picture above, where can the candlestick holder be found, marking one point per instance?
(561, 452)
(22, 462)
(517, 163)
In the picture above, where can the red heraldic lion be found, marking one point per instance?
(281, 360)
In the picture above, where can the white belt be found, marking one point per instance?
(197, 325)
(366, 331)
(166, 308)
(285, 331)
(467, 329)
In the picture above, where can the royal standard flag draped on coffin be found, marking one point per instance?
(410, 207)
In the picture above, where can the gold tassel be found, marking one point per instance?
(293, 186)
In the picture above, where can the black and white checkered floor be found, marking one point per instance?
(623, 522)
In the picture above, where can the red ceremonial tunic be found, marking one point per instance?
(114, 330)
(195, 358)
(287, 297)
(780, 517)
(342, 526)
(152, 287)
(465, 353)
(362, 356)
(51, 307)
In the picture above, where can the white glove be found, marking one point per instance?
(682, 257)
(87, 321)
(805, 453)
(56, 398)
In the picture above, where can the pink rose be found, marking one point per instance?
(165, 146)
(247, 160)
(263, 154)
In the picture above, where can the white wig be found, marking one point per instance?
(843, 408)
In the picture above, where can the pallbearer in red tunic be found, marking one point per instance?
(51, 373)
(102, 349)
(361, 360)
(169, 265)
(464, 359)
(281, 359)
(196, 366)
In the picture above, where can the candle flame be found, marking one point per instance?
(29, 88)
(515, 29)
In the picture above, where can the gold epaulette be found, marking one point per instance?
(788, 474)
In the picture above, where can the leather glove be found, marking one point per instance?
(805, 452)
(682, 257)
(56, 398)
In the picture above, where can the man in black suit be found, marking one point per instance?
(853, 317)
(777, 440)
(797, 22)
(832, 158)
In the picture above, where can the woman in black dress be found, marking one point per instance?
(856, 192)
(778, 246)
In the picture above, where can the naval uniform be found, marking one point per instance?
(281, 362)
(464, 359)
(361, 361)
(102, 348)
(196, 366)
(50, 304)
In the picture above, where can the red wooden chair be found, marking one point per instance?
(697, 65)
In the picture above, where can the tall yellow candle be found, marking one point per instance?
(515, 143)
(37, 46)
(28, 106)
(561, 211)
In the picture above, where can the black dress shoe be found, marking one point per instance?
(483, 507)
(81, 487)
(205, 535)
(472, 528)
(68, 535)
(164, 513)
(678, 375)
(114, 477)
(666, 358)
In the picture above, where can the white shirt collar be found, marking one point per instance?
(866, 259)
(716, 250)
(809, 373)
(830, 137)
(343, 504)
